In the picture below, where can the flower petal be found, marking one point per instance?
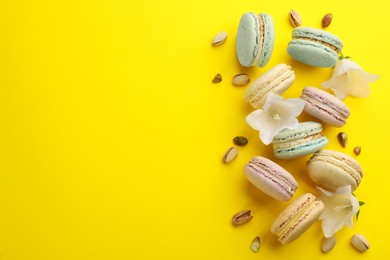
(330, 226)
(276, 116)
(340, 208)
(340, 85)
(324, 192)
(256, 119)
(348, 78)
(296, 106)
(268, 133)
(361, 87)
(292, 123)
(272, 98)
(369, 77)
(344, 189)
(348, 65)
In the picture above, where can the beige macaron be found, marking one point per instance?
(299, 215)
(331, 169)
(277, 80)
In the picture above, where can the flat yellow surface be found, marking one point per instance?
(111, 132)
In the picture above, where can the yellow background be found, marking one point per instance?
(111, 132)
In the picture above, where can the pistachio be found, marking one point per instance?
(217, 78)
(326, 20)
(343, 139)
(295, 19)
(327, 244)
(241, 79)
(242, 217)
(240, 140)
(219, 38)
(357, 150)
(360, 243)
(255, 245)
(230, 155)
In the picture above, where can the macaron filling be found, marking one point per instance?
(259, 40)
(297, 142)
(268, 39)
(330, 46)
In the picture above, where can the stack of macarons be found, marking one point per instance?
(327, 169)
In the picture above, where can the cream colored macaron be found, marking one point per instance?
(331, 169)
(299, 215)
(277, 80)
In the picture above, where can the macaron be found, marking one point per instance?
(324, 106)
(277, 80)
(306, 139)
(255, 39)
(299, 215)
(270, 178)
(331, 169)
(314, 47)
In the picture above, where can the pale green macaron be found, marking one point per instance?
(314, 47)
(255, 39)
(306, 139)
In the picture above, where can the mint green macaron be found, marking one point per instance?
(255, 39)
(314, 47)
(306, 139)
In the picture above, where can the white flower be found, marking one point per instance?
(349, 78)
(275, 116)
(340, 208)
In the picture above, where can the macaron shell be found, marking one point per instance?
(297, 217)
(303, 130)
(331, 170)
(248, 39)
(325, 106)
(312, 53)
(277, 80)
(270, 178)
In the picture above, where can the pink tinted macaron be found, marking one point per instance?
(331, 170)
(270, 178)
(324, 106)
(294, 220)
